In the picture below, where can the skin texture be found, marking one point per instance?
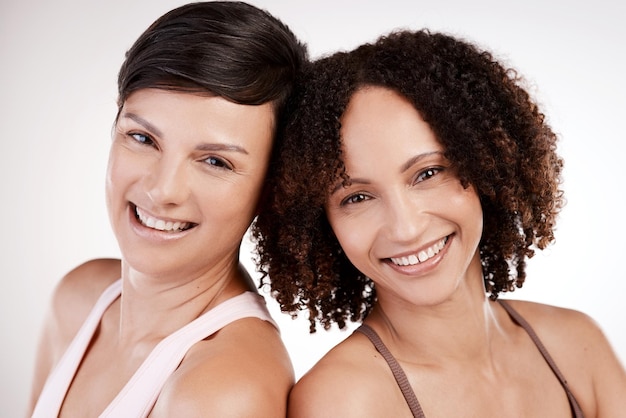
(493, 134)
(461, 351)
(184, 157)
(401, 201)
(190, 158)
(201, 95)
(424, 146)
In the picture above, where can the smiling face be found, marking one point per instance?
(184, 176)
(405, 221)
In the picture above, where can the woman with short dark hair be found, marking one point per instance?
(177, 328)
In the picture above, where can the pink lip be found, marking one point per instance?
(423, 248)
(151, 234)
(423, 267)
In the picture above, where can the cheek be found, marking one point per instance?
(466, 205)
(116, 170)
(353, 238)
(122, 171)
(473, 204)
(112, 175)
(113, 180)
(234, 203)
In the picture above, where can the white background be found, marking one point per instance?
(59, 62)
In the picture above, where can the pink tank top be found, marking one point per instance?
(138, 396)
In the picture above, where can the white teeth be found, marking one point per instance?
(421, 256)
(160, 224)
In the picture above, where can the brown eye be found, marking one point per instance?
(354, 198)
(428, 173)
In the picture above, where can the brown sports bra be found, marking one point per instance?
(408, 393)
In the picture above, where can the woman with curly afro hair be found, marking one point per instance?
(413, 179)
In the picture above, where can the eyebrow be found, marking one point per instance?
(201, 147)
(407, 165)
(221, 147)
(412, 161)
(340, 184)
(150, 127)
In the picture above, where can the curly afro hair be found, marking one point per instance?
(491, 129)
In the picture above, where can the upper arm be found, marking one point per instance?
(337, 394)
(43, 361)
(608, 374)
(584, 356)
(245, 398)
(71, 302)
(244, 371)
(339, 386)
(315, 397)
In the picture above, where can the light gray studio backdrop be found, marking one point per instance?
(57, 89)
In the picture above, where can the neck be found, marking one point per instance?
(153, 307)
(462, 328)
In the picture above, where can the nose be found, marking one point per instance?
(404, 220)
(167, 183)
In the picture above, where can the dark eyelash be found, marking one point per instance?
(147, 140)
(349, 200)
(432, 170)
(221, 163)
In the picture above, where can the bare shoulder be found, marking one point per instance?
(242, 371)
(582, 352)
(90, 278)
(78, 291)
(74, 297)
(72, 300)
(351, 380)
(562, 328)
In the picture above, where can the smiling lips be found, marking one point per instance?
(160, 224)
(421, 256)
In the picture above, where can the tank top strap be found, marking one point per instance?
(396, 369)
(140, 393)
(518, 319)
(57, 384)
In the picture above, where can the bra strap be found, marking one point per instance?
(397, 371)
(517, 318)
